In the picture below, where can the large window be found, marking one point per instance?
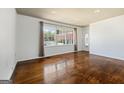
(49, 35)
(58, 35)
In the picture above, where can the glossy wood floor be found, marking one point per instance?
(71, 68)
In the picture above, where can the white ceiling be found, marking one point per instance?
(75, 16)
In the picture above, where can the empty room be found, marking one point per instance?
(61, 45)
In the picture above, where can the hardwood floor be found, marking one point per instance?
(71, 68)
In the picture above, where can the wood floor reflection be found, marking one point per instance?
(71, 68)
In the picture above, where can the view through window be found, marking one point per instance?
(58, 35)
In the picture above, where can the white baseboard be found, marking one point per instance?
(49, 55)
(108, 56)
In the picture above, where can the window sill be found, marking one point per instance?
(59, 45)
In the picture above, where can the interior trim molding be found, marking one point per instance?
(5, 82)
(11, 79)
(26, 61)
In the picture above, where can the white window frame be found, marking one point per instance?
(62, 33)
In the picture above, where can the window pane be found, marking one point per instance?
(60, 36)
(57, 35)
(69, 36)
(49, 35)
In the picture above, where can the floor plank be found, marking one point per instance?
(71, 68)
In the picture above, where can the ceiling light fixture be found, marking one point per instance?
(76, 19)
(53, 12)
(97, 11)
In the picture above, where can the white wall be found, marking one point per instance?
(107, 37)
(7, 43)
(27, 45)
(54, 50)
(27, 38)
